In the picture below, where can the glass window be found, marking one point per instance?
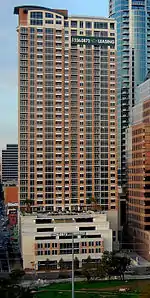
(99, 25)
(32, 30)
(58, 22)
(112, 26)
(36, 15)
(36, 22)
(48, 21)
(39, 30)
(81, 24)
(88, 25)
(66, 24)
(74, 24)
(49, 31)
(48, 15)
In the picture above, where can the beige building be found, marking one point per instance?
(50, 237)
(67, 110)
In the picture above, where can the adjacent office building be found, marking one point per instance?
(10, 164)
(138, 211)
(67, 110)
(133, 54)
(50, 237)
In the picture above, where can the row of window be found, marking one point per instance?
(73, 23)
(69, 251)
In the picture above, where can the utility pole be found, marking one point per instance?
(72, 265)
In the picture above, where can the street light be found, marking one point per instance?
(70, 234)
(72, 265)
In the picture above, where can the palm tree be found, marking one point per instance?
(94, 205)
(28, 205)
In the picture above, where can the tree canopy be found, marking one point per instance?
(111, 264)
(10, 287)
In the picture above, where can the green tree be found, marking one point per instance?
(110, 265)
(76, 263)
(87, 269)
(114, 264)
(101, 273)
(16, 275)
(10, 289)
(122, 263)
(62, 264)
(107, 263)
(47, 264)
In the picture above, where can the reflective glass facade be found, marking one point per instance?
(133, 45)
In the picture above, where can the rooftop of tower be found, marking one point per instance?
(33, 7)
(62, 12)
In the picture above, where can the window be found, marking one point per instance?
(86, 228)
(48, 15)
(47, 252)
(40, 253)
(36, 22)
(58, 17)
(88, 25)
(74, 24)
(39, 30)
(48, 21)
(45, 230)
(81, 24)
(36, 18)
(98, 250)
(66, 24)
(112, 26)
(98, 243)
(58, 22)
(54, 252)
(40, 245)
(99, 25)
(91, 250)
(47, 245)
(49, 31)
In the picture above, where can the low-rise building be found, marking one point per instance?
(11, 203)
(50, 237)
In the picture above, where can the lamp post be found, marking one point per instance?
(72, 234)
(72, 265)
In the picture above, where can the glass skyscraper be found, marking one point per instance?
(133, 47)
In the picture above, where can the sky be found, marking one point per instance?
(8, 55)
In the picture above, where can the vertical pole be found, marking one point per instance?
(35, 271)
(1, 266)
(72, 265)
(7, 256)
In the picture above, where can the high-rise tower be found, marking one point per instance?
(67, 110)
(138, 204)
(10, 164)
(133, 54)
